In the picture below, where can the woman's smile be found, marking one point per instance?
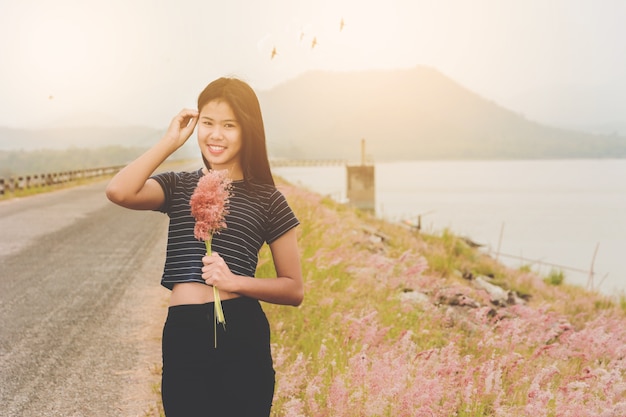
(216, 149)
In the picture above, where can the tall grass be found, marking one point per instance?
(377, 335)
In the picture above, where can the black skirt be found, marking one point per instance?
(236, 378)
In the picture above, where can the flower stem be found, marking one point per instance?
(219, 313)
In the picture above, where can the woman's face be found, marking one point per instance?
(219, 137)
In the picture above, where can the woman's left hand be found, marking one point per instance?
(216, 273)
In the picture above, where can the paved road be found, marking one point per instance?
(79, 304)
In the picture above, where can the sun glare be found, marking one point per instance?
(57, 50)
(68, 57)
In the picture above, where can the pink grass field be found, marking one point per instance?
(390, 327)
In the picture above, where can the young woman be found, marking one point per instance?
(236, 378)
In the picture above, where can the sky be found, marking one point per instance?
(80, 62)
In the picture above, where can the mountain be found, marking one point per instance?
(409, 114)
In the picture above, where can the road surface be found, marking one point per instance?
(81, 307)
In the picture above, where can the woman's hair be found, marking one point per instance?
(245, 105)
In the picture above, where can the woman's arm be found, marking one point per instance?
(132, 187)
(287, 288)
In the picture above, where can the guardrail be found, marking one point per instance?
(26, 182)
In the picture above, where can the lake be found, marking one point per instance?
(553, 214)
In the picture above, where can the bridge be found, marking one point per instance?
(307, 162)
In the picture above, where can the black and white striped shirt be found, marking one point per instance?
(256, 214)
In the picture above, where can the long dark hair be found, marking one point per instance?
(245, 104)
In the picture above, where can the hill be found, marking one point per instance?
(81, 137)
(410, 114)
(29, 151)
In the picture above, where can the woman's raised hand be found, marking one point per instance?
(132, 186)
(182, 126)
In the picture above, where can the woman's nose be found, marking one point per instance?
(216, 133)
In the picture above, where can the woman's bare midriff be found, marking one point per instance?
(196, 293)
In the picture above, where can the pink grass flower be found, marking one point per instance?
(209, 204)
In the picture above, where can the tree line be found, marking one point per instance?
(20, 162)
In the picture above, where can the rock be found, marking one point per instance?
(457, 299)
(497, 295)
(415, 297)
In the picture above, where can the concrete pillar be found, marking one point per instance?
(361, 183)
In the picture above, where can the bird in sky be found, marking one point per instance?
(274, 53)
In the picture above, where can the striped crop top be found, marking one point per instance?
(257, 214)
